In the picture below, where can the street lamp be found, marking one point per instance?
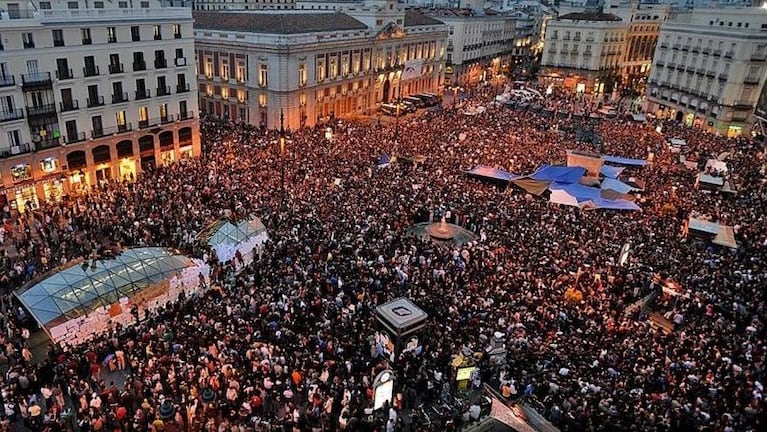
(396, 118)
(282, 142)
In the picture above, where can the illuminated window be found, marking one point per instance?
(21, 172)
(262, 99)
(302, 74)
(209, 68)
(242, 96)
(224, 70)
(263, 75)
(143, 114)
(225, 92)
(241, 72)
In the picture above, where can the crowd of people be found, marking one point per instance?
(286, 343)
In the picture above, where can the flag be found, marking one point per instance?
(413, 69)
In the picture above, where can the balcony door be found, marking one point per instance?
(33, 67)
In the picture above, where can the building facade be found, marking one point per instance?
(214, 5)
(313, 65)
(479, 44)
(709, 69)
(582, 52)
(92, 94)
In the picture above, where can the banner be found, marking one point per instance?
(413, 69)
(761, 104)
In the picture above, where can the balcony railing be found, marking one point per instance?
(143, 94)
(16, 150)
(64, 74)
(144, 124)
(176, 35)
(69, 105)
(729, 54)
(47, 143)
(182, 88)
(758, 57)
(10, 115)
(743, 105)
(188, 115)
(166, 119)
(41, 110)
(77, 137)
(717, 52)
(160, 63)
(722, 77)
(95, 101)
(87, 41)
(751, 80)
(116, 68)
(163, 91)
(139, 66)
(90, 71)
(120, 97)
(98, 133)
(36, 80)
(7, 81)
(58, 42)
(180, 61)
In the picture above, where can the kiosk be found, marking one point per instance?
(401, 323)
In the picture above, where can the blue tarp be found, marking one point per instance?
(560, 174)
(492, 173)
(602, 203)
(384, 159)
(616, 185)
(624, 161)
(611, 171)
(579, 191)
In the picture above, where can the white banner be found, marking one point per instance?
(413, 69)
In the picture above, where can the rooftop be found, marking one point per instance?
(590, 16)
(414, 18)
(276, 23)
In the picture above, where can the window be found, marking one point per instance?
(120, 118)
(320, 70)
(72, 5)
(224, 93)
(58, 38)
(122, 5)
(224, 70)
(45, 5)
(209, 68)
(135, 33)
(157, 32)
(241, 95)
(111, 34)
(98, 127)
(28, 40)
(86, 36)
(241, 72)
(145, 5)
(98, 5)
(263, 76)
(14, 138)
(262, 99)
(71, 127)
(302, 74)
(163, 112)
(177, 31)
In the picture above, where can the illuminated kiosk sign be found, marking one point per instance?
(401, 323)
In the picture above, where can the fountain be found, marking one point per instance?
(441, 230)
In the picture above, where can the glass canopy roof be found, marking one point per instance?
(82, 288)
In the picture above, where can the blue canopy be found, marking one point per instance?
(579, 191)
(616, 185)
(624, 161)
(560, 174)
(603, 203)
(611, 171)
(492, 173)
